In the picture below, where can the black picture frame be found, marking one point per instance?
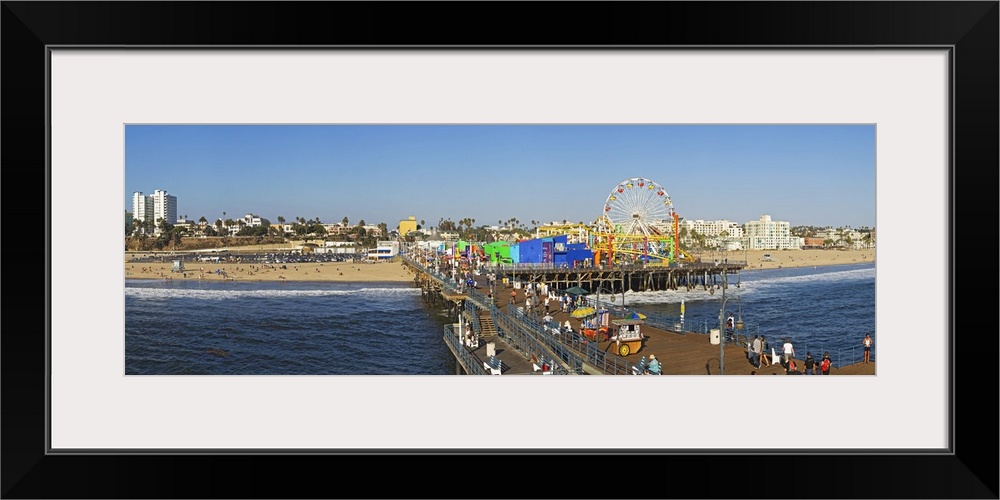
(969, 28)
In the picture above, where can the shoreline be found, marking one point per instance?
(395, 272)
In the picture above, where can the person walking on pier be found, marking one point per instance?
(513, 296)
(755, 348)
(762, 360)
(810, 364)
(787, 351)
(867, 342)
(824, 365)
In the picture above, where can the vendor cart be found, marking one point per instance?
(628, 337)
(595, 327)
(599, 334)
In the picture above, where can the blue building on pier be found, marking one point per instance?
(554, 250)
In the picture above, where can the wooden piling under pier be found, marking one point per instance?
(625, 278)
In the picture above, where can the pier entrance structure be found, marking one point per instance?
(638, 224)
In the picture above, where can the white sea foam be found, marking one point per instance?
(748, 287)
(834, 276)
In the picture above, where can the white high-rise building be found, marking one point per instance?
(154, 207)
(142, 207)
(164, 206)
(767, 234)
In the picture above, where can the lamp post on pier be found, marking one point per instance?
(722, 327)
(737, 326)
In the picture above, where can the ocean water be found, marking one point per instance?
(824, 308)
(283, 328)
(239, 328)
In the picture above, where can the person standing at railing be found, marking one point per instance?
(867, 342)
(825, 365)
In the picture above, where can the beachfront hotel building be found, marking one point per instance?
(767, 234)
(154, 207)
(718, 233)
(847, 238)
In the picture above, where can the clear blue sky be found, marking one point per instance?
(804, 174)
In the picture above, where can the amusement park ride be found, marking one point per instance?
(638, 224)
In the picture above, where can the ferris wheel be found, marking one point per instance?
(638, 206)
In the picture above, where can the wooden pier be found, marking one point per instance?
(638, 278)
(520, 343)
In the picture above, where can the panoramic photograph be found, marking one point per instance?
(499, 249)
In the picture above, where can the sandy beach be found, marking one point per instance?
(396, 272)
(348, 272)
(791, 258)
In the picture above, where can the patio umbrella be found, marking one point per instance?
(582, 312)
(636, 315)
(577, 291)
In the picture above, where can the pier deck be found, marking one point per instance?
(690, 353)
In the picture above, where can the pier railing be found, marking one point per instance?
(523, 339)
(527, 335)
(472, 364)
(556, 339)
(519, 336)
(538, 333)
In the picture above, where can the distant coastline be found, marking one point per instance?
(394, 272)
